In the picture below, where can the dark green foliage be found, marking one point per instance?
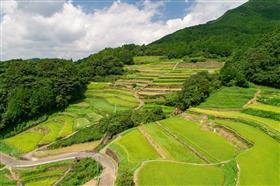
(125, 177)
(262, 62)
(171, 99)
(34, 87)
(108, 62)
(81, 172)
(262, 113)
(147, 116)
(269, 100)
(196, 89)
(84, 135)
(116, 123)
(230, 76)
(237, 29)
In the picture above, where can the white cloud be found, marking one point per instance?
(60, 29)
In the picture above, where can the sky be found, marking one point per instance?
(77, 28)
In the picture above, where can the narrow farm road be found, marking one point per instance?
(254, 99)
(107, 177)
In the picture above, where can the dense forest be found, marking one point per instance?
(236, 30)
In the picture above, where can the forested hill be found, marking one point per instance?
(236, 30)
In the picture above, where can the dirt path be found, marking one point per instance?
(254, 99)
(163, 154)
(202, 157)
(106, 178)
(141, 101)
(175, 66)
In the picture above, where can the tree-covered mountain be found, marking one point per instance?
(237, 29)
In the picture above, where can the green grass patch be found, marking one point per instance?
(171, 173)
(229, 98)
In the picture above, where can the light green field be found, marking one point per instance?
(211, 145)
(260, 165)
(229, 98)
(238, 115)
(5, 178)
(44, 182)
(176, 150)
(137, 151)
(171, 173)
(265, 107)
(81, 123)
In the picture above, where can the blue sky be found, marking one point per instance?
(172, 9)
(77, 28)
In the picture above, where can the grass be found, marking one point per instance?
(137, 151)
(260, 164)
(265, 107)
(5, 178)
(275, 125)
(176, 150)
(49, 181)
(229, 98)
(211, 145)
(81, 172)
(171, 173)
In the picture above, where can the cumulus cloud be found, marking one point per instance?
(60, 29)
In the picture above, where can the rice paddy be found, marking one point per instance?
(101, 99)
(185, 149)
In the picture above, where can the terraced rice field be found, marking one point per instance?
(174, 173)
(199, 150)
(156, 147)
(45, 175)
(101, 99)
(157, 76)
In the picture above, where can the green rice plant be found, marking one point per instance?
(26, 141)
(229, 98)
(256, 121)
(9, 149)
(98, 85)
(260, 164)
(81, 123)
(265, 107)
(176, 173)
(49, 181)
(262, 113)
(175, 149)
(207, 143)
(137, 151)
(53, 129)
(5, 178)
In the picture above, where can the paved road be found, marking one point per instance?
(107, 177)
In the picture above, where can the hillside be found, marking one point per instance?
(236, 30)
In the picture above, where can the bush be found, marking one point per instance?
(196, 89)
(125, 177)
(82, 171)
(84, 135)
